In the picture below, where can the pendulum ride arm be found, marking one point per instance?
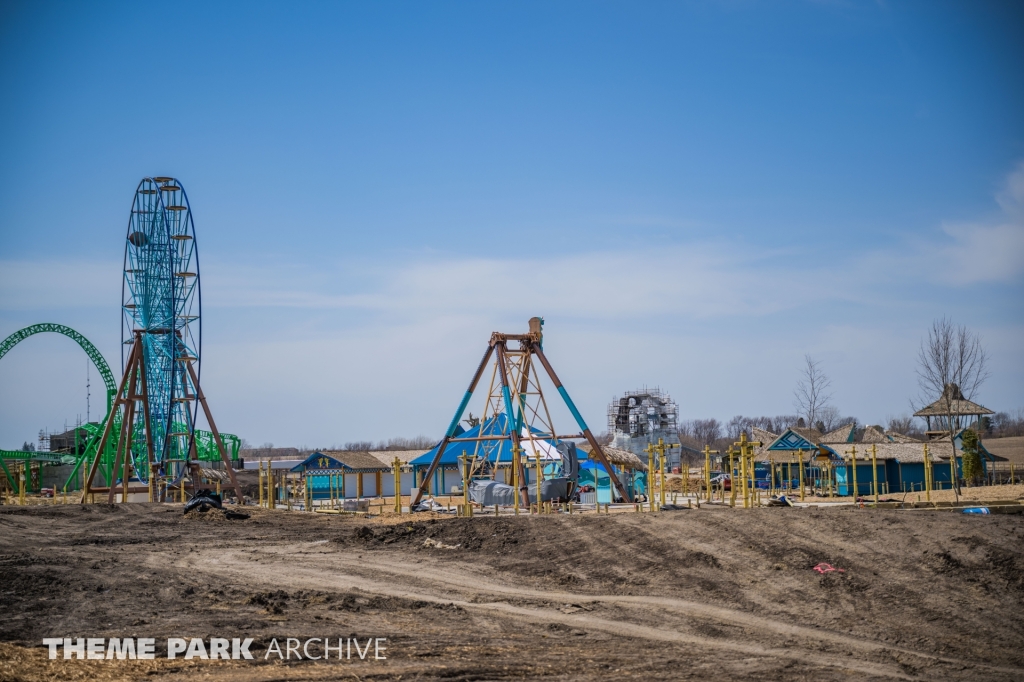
(598, 452)
(450, 433)
(216, 434)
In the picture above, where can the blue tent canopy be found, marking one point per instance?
(500, 448)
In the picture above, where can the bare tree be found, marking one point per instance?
(706, 431)
(829, 418)
(951, 367)
(810, 393)
(903, 423)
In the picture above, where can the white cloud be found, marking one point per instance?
(371, 350)
(962, 254)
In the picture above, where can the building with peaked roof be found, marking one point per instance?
(951, 403)
(346, 474)
(900, 459)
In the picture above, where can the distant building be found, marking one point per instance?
(639, 418)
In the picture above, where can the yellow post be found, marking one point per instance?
(397, 467)
(271, 488)
(732, 480)
(540, 478)
(515, 478)
(707, 470)
(466, 510)
(743, 478)
(662, 446)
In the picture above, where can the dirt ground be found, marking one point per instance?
(688, 594)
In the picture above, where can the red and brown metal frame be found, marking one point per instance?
(530, 344)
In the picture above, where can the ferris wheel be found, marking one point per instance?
(161, 306)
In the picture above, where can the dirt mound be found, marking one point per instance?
(922, 594)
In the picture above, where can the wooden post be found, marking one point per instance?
(800, 471)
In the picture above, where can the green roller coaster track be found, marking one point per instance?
(206, 446)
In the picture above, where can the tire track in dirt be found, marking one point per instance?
(467, 577)
(247, 567)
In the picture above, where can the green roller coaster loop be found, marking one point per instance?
(206, 447)
(97, 360)
(90, 350)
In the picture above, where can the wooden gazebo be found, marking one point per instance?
(950, 408)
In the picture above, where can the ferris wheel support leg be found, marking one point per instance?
(145, 411)
(216, 433)
(124, 443)
(86, 489)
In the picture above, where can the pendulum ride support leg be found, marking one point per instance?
(595, 447)
(216, 434)
(450, 433)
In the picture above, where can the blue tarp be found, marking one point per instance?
(500, 450)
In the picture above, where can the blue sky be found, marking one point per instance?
(694, 195)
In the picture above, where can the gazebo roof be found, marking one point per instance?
(952, 398)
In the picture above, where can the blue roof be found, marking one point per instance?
(500, 448)
(791, 440)
(318, 460)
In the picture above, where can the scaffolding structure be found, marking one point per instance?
(639, 418)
